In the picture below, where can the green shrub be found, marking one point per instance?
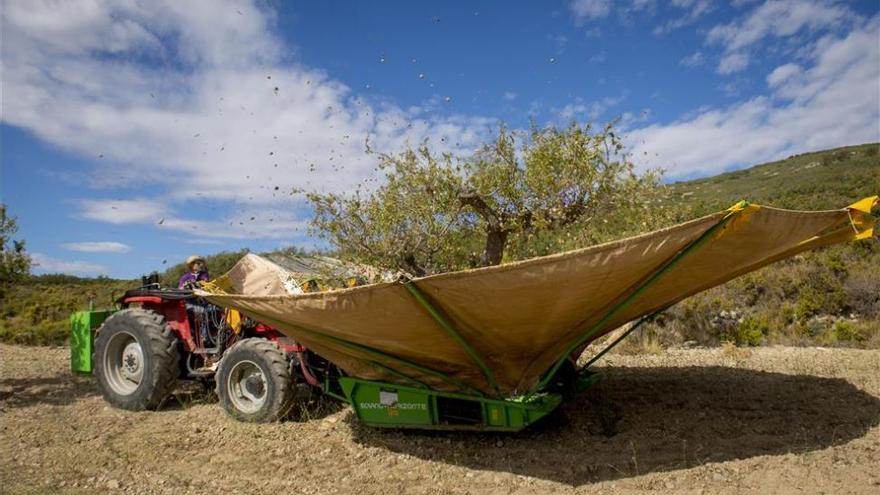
(846, 331)
(750, 331)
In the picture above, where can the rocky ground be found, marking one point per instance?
(769, 420)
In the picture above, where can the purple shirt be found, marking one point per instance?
(191, 277)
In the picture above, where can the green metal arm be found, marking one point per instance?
(640, 289)
(618, 340)
(403, 376)
(444, 323)
(389, 357)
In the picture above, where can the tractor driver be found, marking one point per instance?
(198, 271)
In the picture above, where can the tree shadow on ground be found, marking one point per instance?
(63, 389)
(58, 390)
(308, 404)
(642, 420)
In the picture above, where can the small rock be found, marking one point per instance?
(113, 485)
(499, 443)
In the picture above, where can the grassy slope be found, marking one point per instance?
(812, 181)
(37, 312)
(825, 297)
(797, 301)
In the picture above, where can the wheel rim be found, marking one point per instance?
(124, 363)
(246, 387)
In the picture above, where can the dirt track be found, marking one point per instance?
(690, 421)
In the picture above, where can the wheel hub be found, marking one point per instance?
(254, 386)
(246, 387)
(124, 363)
(131, 359)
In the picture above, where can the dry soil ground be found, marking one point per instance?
(688, 421)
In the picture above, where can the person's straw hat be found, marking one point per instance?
(192, 259)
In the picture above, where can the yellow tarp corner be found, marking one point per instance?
(864, 205)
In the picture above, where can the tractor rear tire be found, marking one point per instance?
(254, 383)
(136, 359)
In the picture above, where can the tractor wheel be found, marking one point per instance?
(135, 359)
(254, 383)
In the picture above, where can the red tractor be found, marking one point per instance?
(159, 335)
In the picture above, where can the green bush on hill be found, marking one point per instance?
(36, 311)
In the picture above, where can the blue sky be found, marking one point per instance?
(136, 133)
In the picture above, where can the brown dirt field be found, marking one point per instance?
(769, 420)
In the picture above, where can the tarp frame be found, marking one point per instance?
(618, 340)
(521, 319)
(444, 323)
(641, 288)
(390, 357)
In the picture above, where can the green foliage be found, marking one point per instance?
(801, 301)
(524, 194)
(410, 222)
(846, 331)
(750, 331)
(821, 180)
(36, 311)
(15, 264)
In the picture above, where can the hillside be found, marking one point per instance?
(829, 297)
(811, 181)
(37, 311)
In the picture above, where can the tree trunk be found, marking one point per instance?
(411, 266)
(496, 240)
(496, 234)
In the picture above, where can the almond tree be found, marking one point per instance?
(523, 194)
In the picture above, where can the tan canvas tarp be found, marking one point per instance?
(521, 317)
(256, 276)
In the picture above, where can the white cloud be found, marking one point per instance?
(119, 211)
(98, 247)
(47, 264)
(560, 42)
(695, 9)
(733, 62)
(246, 222)
(597, 58)
(742, 3)
(582, 110)
(586, 10)
(834, 102)
(199, 101)
(593, 32)
(773, 19)
(509, 95)
(782, 73)
(778, 18)
(695, 59)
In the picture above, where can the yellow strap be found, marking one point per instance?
(233, 319)
(738, 206)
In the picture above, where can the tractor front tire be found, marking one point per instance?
(254, 382)
(136, 359)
